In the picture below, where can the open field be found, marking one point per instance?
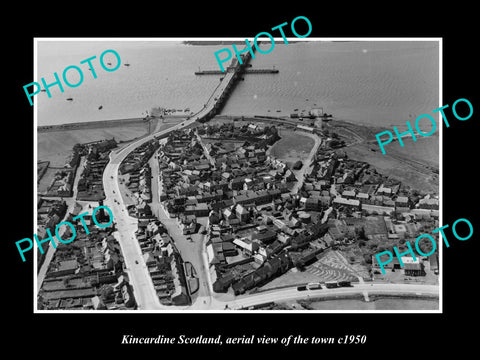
(291, 147)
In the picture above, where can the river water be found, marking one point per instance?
(371, 82)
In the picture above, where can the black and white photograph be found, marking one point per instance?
(254, 185)
(212, 179)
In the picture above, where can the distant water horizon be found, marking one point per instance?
(380, 83)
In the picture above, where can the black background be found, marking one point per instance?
(94, 335)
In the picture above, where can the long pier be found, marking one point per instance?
(246, 71)
(221, 93)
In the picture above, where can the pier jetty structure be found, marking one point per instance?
(234, 72)
(243, 68)
(246, 71)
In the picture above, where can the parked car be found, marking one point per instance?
(301, 288)
(313, 286)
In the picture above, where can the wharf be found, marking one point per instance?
(245, 71)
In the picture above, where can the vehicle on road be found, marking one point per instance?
(301, 288)
(314, 286)
(331, 284)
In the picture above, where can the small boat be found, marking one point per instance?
(69, 99)
(89, 69)
(100, 107)
(43, 90)
(109, 63)
(279, 110)
(126, 64)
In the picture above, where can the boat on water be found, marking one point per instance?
(126, 64)
(69, 99)
(100, 107)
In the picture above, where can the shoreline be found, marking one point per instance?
(373, 295)
(84, 125)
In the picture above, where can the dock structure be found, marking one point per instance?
(246, 71)
(221, 93)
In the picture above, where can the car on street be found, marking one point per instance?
(301, 288)
(313, 286)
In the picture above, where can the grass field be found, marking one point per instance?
(291, 147)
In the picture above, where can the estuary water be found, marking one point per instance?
(370, 82)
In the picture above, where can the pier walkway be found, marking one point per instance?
(222, 92)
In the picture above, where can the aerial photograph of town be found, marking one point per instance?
(257, 188)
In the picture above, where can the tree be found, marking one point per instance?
(367, 258)
(106, 292)
(361, 233)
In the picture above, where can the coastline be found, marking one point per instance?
(92, 124)
(377, 302)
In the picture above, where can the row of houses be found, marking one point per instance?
(90, 184)
(164, 262)
(139, 157)
(87, 273)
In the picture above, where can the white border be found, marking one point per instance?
(332, 39)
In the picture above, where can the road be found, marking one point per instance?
(191, 251)
(300, 174)
(293, 294)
